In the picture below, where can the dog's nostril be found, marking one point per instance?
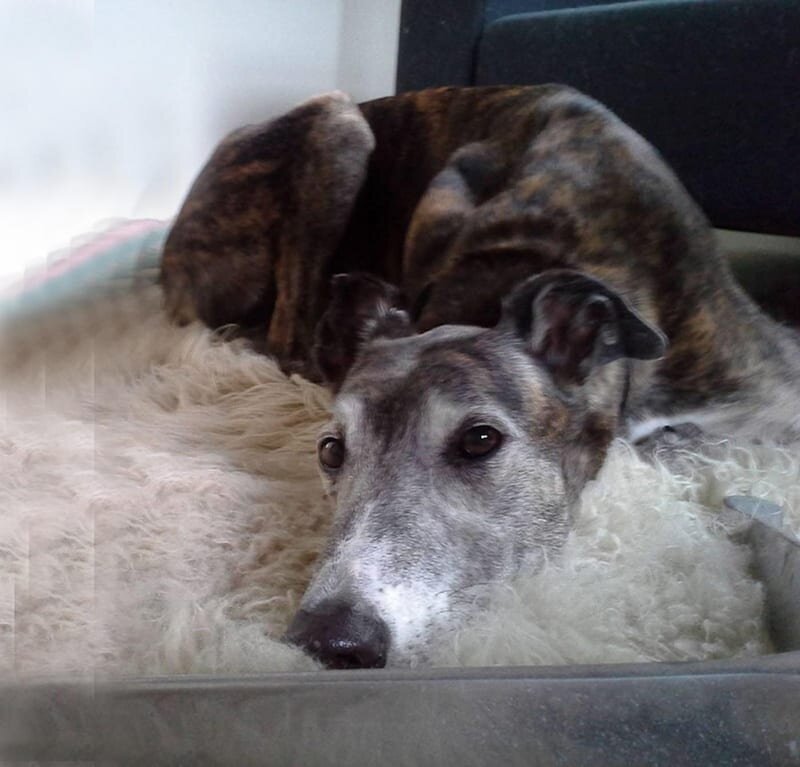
(340, 637)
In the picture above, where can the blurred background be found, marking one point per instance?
(110, 107)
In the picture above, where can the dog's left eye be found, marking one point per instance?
(331, 452)
(480, 441)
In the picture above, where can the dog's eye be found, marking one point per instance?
(331, 452)
(480, 441)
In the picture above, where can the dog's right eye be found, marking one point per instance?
(331, 452)
(479, 441)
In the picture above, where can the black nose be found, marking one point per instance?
(340, 637)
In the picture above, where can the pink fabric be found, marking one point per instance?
(102, 242)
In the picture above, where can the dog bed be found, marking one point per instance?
(161, 510)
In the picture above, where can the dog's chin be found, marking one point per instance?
(434, 649)
(419, 651)
(409, 658)
(434, 641)
(435, 644)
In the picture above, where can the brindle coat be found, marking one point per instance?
(545, 178)
(537, 196)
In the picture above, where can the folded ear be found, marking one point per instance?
(261, 222)
(361, 309)
(574, 323)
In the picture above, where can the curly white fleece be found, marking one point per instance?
(160, 512)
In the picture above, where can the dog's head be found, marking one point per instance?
(455, 456)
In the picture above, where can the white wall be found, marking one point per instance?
(111, 107)
(368, 47)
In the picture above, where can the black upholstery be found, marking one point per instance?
(714, 84)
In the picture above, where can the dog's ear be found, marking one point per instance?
(254, 236)
(574, 323)
(361, 309)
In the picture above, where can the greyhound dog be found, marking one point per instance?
(495, 282)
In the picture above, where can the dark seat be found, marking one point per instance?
(713, 84)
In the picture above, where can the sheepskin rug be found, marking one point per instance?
(160, 513)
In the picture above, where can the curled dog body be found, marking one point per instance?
(455, 456)
(524, 280)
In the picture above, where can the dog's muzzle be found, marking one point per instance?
(340, 637)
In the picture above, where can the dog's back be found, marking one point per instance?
(456, 454)
(455, 195)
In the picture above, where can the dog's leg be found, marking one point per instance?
(473, 174)
(251, 245)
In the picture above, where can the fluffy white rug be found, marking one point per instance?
(160, 513)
